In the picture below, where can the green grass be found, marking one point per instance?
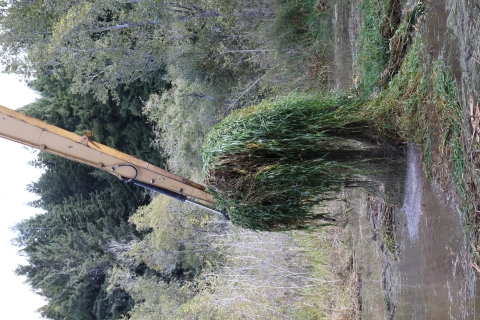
(398, 106)
(450, 112)
(372, 48)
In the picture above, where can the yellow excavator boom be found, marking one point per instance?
(32, 132)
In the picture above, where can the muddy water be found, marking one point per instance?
(438, 37)
(432, 276)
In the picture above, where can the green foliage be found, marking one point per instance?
(293, 21)
(401, 39)
(450, 112)
(270, 163)
(156, 299)
(118, 124)
(402, 99)
(98, 44)
(67, 246)
(65, 250)
(243, 274)
(128, 41)
(372, 47)
(69, 266)
(179, 244)
(304, 23)
(419, 94)
(182, 116)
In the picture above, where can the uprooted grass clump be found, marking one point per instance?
(270, 163)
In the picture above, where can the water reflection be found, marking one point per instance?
(431, 277)
(411, 208)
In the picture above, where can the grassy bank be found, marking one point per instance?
(420, 104)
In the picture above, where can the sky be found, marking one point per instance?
(17, 301)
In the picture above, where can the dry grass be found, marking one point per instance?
(329, 252)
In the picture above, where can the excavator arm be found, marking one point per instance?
(32, 132)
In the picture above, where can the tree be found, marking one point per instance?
(118, 124)
(66, 247)
(70, 271)
(101, 44)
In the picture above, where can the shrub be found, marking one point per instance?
(270, 163)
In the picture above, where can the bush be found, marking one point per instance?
(270, 163)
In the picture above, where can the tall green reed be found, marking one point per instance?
(269, 164)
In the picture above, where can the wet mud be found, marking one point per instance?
(368, 260)
(343, 49)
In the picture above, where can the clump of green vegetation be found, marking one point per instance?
(397, 107)
(372, 54)
(270, 163)
(384, 40)
(400, 42)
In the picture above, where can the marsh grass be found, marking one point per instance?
(397, 106)
(269, 164)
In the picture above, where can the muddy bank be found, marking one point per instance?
(426, 273)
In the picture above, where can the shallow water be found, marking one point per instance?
(432, 277)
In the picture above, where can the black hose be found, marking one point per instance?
(166, 192)
(127, 165)
(172, 194)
